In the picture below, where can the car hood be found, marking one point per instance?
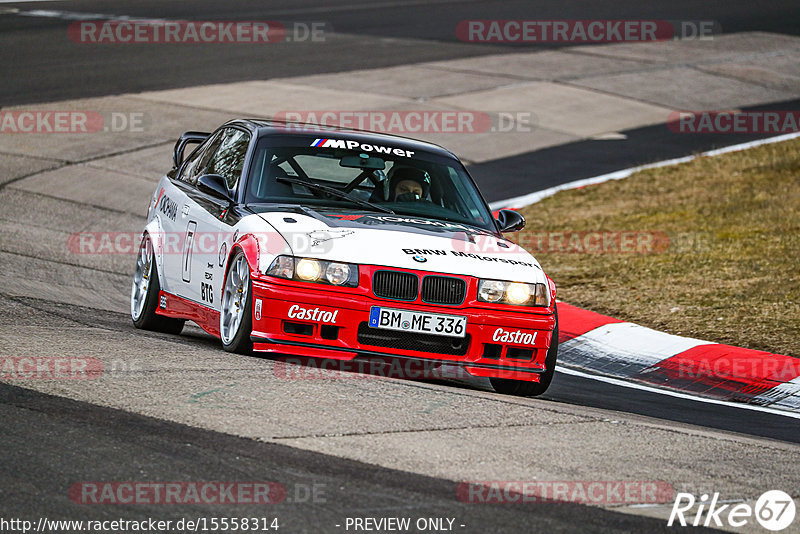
(408, 242)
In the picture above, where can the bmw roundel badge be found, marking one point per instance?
(420, 259)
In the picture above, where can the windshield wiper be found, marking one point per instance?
(332, 191)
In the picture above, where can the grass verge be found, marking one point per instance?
(707, 249)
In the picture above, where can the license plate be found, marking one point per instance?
(412, 321)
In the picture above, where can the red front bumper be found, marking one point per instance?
(321, 321)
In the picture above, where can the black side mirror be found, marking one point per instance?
(510, 221)
(214, 185)
(187, 138)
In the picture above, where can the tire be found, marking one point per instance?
(145, 294)
(236, 310)
(524, 388)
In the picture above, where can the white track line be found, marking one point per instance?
(536, 196)
(635, 385)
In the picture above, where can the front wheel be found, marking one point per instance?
(145, 292)
(524, 388)
(236, 317)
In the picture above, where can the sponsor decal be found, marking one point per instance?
(440, 252)
(343, 217)
(163, 303)
(258, 310)
(517, 337)
(223, 253)
(426, 222)
(312, 314)
(363, 147)
(157, 199)
(320, 236)
(397, 219)
(206, 292)
(167, 206)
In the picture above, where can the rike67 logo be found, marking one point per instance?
(774, 510)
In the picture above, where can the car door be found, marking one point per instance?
(208, 228)
(180, 233)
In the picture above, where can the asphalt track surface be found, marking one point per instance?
(88, 442)
(549, 167)
(40, 65)
(81, 441)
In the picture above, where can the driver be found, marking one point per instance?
(409, 185)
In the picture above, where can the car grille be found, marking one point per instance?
(443, 290)
(395, 285)
(394, 339)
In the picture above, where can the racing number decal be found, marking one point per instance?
(187, 251)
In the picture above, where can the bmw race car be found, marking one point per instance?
(341, 244)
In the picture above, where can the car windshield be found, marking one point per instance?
(302, 171)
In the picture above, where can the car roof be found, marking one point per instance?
(264, 127)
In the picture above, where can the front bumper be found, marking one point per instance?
(313, 320)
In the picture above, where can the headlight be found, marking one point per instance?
(491, 290)
(313, 270)
(516, 293)
(308, 270)
(282, 266)
(337, 273)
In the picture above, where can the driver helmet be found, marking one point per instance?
(409, 174)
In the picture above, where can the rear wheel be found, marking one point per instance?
(236, 316)
(524, 388)
(145, 294)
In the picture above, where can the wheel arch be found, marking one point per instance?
(153, 231)
(247, 244)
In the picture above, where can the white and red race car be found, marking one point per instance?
(340, 244)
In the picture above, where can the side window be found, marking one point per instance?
(197, 161)
(228, 159)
